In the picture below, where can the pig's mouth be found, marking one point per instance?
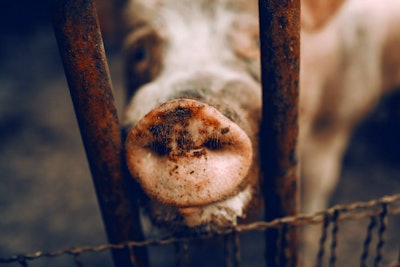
(187, 155)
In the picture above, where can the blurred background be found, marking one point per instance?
(47, 200)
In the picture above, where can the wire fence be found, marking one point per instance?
(377, 211)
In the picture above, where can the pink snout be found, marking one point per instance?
(186, 153)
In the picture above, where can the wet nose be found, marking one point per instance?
(186, 153)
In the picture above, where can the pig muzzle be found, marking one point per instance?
(186, 154)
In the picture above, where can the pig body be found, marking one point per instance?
(187, 58)
(348, 61)
(346, 65)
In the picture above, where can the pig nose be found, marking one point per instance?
(185, 153)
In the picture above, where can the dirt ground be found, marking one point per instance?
(47, 200)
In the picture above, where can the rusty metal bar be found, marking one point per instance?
(280, 49)
(81, 48)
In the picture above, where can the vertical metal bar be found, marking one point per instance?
(280, 50)
(81, 48)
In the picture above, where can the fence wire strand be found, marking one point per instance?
(381, 238)
(322, 240)
(364, 256)
(334, 234)
(378, 210)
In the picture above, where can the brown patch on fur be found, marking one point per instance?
(245, 38)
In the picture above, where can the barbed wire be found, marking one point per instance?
(381, 207)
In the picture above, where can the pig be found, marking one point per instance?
(349, 59)
(192, 71)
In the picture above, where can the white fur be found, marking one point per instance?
(150, 95)
(196, 43)
(228, 210)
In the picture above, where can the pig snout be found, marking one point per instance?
(185, 153)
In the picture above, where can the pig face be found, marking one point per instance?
(192, 70)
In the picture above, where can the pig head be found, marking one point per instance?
(192, 71)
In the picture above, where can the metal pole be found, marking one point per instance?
(81, 48)
(280, 50)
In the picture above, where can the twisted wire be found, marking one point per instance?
(381, 237)
(335, 230)
(364, 256)
(322, 240)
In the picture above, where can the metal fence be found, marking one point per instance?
(377, 211)
(82, 52)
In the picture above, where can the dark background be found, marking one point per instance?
(47, 200)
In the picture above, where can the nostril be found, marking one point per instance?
(159, 148)
(213, 144)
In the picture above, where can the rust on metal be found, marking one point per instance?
(82, 51)
(280, 50)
